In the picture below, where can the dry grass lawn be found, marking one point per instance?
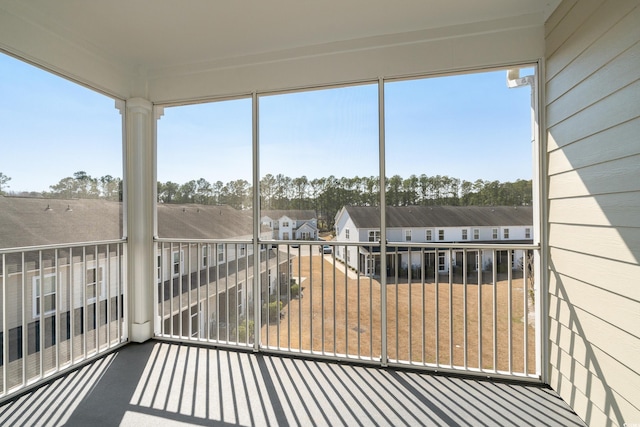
(341, 315)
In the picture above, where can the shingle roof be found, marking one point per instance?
(296, 214)
(28, 222)
(36, 221)
(203, 222)
(441, 216)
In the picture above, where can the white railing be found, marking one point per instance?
(61, 305)
(446, 307)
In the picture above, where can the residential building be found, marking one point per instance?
(291, 224)
(80, 285)
(436, 225)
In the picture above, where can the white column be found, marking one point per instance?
(139, 173)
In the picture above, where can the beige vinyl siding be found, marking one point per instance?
(592, 111)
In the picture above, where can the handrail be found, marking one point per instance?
(417, 245)
(61, 245)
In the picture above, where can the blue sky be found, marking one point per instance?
(466, 126)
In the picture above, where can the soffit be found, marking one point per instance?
(146, 36)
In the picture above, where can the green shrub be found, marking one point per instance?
(273, 309)
(242, 330)
(295, 291)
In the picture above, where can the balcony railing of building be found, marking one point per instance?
(464, 308)
(61, 305)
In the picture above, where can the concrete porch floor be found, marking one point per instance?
(166, 384)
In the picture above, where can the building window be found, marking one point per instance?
(48, 292)
(374, 235)
(178, 259)
(285, 224)
(346, 233)
(506, 233)
(241, 298)
(220, 252)
(527, 233)
(464, 234)
(95, 281)
(407, 235)
(441, 263)
(440, 234)
(494, 234)
(205, 256)
(476, 234)
(429, 236)
(348, 255)
(194, 321)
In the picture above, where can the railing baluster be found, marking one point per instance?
(322, 301)
(396, 267)
(267, 291)
(359, 334)
(410, 310)
(451, 342)
(207, 320)
(333, 298)
(525, 309)
(422, 298)
(96, 286)
(5, 327)
(494, 279)
(189, 302)
(160, 272)
(346, 301)
(237, 299)
(199, 313)
(217, 313)
(56, 323)
(171, 297)
(478, 263)
(310, 280)
(371, 308)
(436, 286)
(300, 297)
(108, 292)
(278, 299)
(226, 291)
(120, 297)
(510, 309)
(245, 289)
(465, 307)
(41, 316)
(289, 272)
(72, 316)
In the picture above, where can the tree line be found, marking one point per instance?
(324, 195)
(327, 195)
(79, 186)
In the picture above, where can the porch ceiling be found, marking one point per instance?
(142, 39)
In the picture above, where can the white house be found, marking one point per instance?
(291, 224)
(431, 224)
